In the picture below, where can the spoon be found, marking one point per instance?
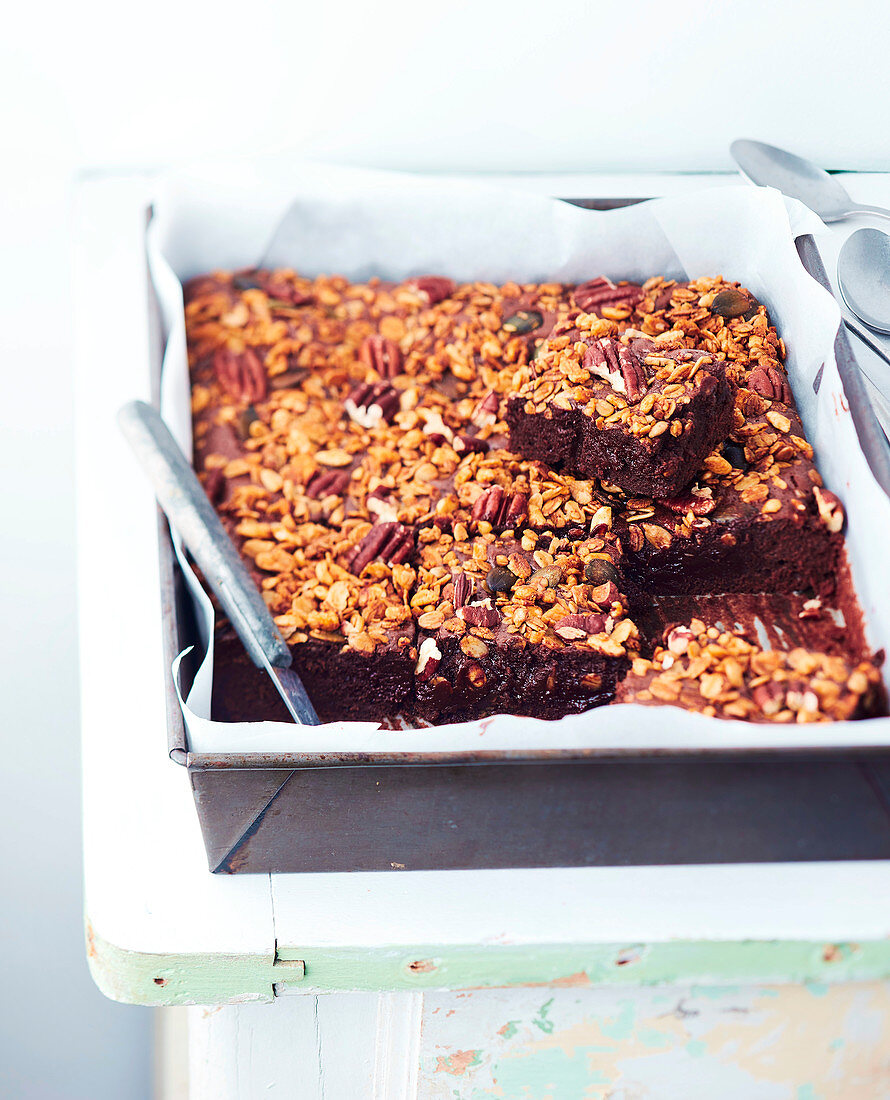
(863, 275)
(768, 166)
(863, 278)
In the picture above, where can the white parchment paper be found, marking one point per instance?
(359, 224)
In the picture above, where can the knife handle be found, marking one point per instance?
(185, 504)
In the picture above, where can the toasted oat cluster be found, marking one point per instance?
(419, 554)
(723, 674)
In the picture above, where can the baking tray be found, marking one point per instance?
(291, 812)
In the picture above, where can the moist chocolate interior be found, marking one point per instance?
(242, 693)
(568, 439)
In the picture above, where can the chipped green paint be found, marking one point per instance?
(541, 1020)
(549, 1075)
(509, 1029)
(818, 989)
(716, 992)
(142, 978)
(654, 1039)
(748, 1042)
(622, 1025)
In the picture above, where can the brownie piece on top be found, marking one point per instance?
(719, 673)
(525, 624)
(639, 412)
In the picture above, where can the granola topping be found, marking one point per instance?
(721, 673)
(353, 439)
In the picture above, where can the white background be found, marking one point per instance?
(470, 86)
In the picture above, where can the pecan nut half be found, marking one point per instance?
(464, 444)
(433, 287)
(371, 403)
(593, 295)
(486, 412)
(769, 382)
(575, 627)
(635, 537)
(698, 501)
(391, 543)
(462, 587)
(429, 657)
(618, 365)
(275, 286)
(382, 355)
(479, 614)
(327, 483)
(242, 375)
(380, 503)
(500, 509)
(677, 639)
(281, 291)
(770, 697)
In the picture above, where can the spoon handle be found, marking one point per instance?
(866, 337)
(864, 208)
(880, 407)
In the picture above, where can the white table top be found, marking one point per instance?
(148, 891)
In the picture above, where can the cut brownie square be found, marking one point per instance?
(340, 598)
(720, 673)
(757, 519)
(533, 625)
(621, 406)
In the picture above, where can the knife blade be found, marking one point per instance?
(184, 502)
(290, 688)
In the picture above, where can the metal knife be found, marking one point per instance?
(185, 504)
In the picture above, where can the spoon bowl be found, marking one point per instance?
(863, 275)
(769, 166)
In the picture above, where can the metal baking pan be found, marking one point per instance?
(291, 812)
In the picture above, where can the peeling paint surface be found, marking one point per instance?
(792, 1042)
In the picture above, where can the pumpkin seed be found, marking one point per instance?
(500, 579)
(599, 571)
(734, 453)
(287, 381)
(550, 574)
(523, 321)
(732, 302)
(242, 424)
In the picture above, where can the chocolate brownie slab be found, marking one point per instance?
(353, 438)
